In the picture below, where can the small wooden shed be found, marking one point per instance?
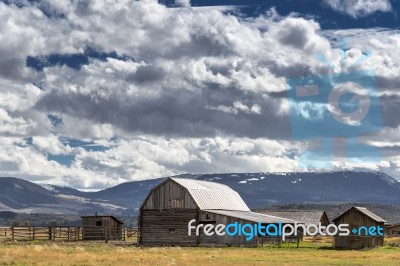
(100, 227)
(171, 205)
(311, 217)
(358, 217)
(393, 230)
(307, 217)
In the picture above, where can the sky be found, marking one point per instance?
(95, 93)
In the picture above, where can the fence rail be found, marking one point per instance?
(69, 233)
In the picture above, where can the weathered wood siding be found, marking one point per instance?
(170, 227)
(393, 231)
(356, 219)
(166, 212)
(324, 219)
(167, 227)
(356, 242)
(109, 227)
(215, 240)
(169, 195)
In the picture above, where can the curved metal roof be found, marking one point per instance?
(212, 196)
(255, 217)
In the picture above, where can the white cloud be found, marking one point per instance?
(142, 158)
(238, 107)
(359, 8)
(205, 94)
(11, 125)
(183, 3)
(50, 144)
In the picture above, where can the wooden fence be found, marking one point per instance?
(68, 233)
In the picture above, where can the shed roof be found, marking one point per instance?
(393, 225)
(307, 217)
(102, 216)
(212, 196)
(254, 217)
(365, 211)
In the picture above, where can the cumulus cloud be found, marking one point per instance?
(209, 89)
(183, 3)
(359, 8)
(141, 158)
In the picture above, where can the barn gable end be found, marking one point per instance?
(357, 217)
(169, 195)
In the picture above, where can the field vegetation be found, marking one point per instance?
(126, 253)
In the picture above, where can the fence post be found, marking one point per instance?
(33, 233)
(12, 232)
(298, 240)
(105, 234)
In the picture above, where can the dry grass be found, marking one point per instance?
(80, 253)
(393, 241)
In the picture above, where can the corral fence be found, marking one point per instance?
(69, 233)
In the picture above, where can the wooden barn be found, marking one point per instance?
(168, 208)
(393, 230)
(307, 217)
(99, 227)
(358, 217)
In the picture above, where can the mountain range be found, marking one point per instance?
(258, 190)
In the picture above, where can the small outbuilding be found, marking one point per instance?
(393, 230)
(171, 205)
(359, 220)
(99, 227)
(312, 217)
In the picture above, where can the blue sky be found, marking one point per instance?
(328, 17)
(94, 93)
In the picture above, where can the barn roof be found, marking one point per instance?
(254, 217)
(365, 211)
(393, 225)
(212, 196)
(308, 217)
(103, 216)
(370, 214)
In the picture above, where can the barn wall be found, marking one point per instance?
(109, 227)
(215, 240)
(357, 242)
(170, 227)
(169, 195)
(393, 231)
(324, 220)
(355, 219)
(167, 227)
(114, 229)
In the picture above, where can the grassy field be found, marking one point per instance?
(80, 253)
